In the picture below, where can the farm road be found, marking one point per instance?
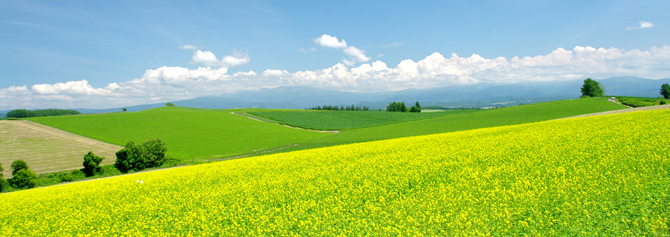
(655, 107)
(47, 149)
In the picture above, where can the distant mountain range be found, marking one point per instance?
(473, 95)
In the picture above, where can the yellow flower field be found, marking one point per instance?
(603, 175)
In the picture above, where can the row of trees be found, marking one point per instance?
(593, 88)
(149, 154)
(400, 107)
(24, 113)
(350, 108)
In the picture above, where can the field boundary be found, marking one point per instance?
(621, 111)
(311, 130)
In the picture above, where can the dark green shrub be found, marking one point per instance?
(66, 177)
(2, 179)
(18, 165)
(663, 102)
(24, 178)
(129, 158)
(133, 157)
(91, 164)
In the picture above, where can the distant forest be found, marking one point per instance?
(24, 113)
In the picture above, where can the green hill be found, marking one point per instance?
(603, 175)
(202, 134)
(188, 133)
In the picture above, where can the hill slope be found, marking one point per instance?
(602, 175)
(202, 134)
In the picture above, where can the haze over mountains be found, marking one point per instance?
(472, 95)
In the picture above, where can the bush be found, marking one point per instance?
(2, 179)
(663, 102)
(24, 178)
(66, 177)
(91, 164)
(18, 165)
(133, 157)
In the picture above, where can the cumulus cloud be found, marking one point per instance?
(179, 83)
(188, 47)
(356, 55)
(330, 41)
(641, 25)
(208, 58)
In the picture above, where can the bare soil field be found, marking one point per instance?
(47, 149)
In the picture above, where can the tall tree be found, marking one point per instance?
(665, 91)
(592, 88)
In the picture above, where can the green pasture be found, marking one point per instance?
(188, 133)
(202, 134)
(340, 120)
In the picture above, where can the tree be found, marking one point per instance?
(396, 107)
(124, 109)
(169, 104)
(133, 157)
(91, 164)
(2, 179)
(25, 178)
(592, 88)
(128, 157)
(18, 165)
(20, 113)
(416, 108)
(665, 91)
(154, 152)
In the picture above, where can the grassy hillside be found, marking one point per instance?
(339, 120)
(604, 175)
(199, 133)
(188, 133)
(471, 119)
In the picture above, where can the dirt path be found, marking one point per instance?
(47, 149)
(655, 107)
(246, 116)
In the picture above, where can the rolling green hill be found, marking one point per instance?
(202, 134)
(188, 133)
(340, 120)
(603, 175)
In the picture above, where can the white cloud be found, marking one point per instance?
(642, 25)
(188, 47)
(179, 83)
(307, 50)
(208, 58)
(355, 54)
(330, 41)
(380, 55)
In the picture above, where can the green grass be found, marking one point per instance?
(640, 101)
(340, 120)
(204, 134)
(188, 133)
(467, 120)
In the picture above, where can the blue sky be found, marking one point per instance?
(96, 54)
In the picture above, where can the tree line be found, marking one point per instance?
(348, 108)
(24, 113)
(593, 88)
(400, 107)
(132, 157)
